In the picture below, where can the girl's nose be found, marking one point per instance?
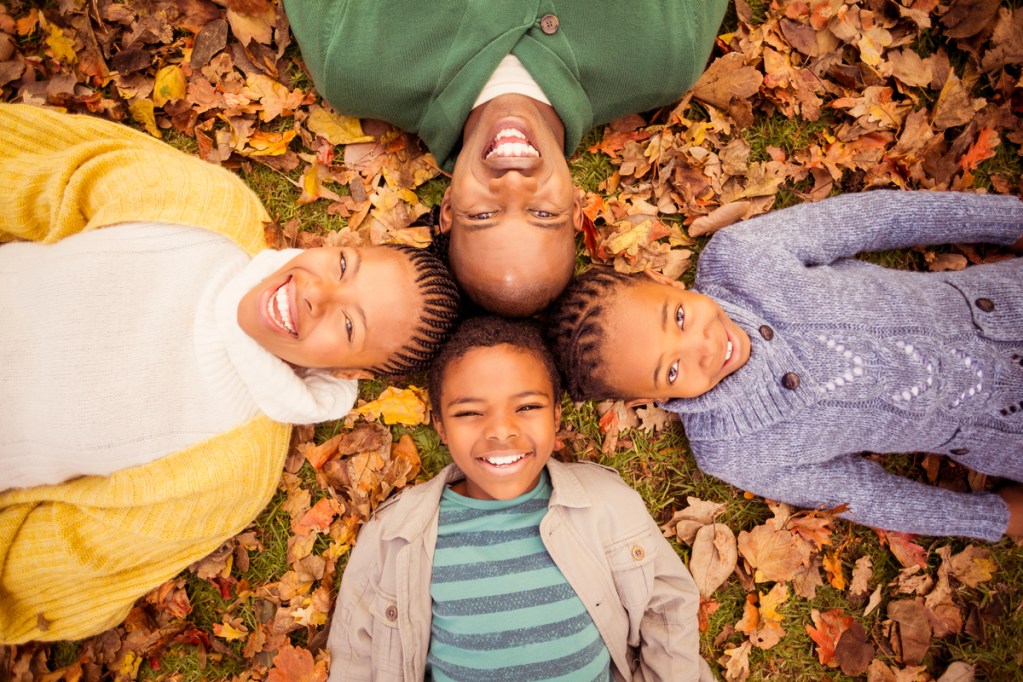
(501, 427)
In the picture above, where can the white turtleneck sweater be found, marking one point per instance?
(122, 345)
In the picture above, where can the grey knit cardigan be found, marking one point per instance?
(850, 357)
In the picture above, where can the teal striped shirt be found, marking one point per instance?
(502, 610)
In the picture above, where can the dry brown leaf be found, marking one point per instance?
(713, 557)
(736, 662)
(912, 638)
(722, 216)
(973, 566)
(772, 553)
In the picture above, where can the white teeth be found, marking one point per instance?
(502, 461)
(728, 351)
(513, 149)
(280, 310)
(510, 132)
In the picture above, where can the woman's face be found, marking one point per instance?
(340, 308)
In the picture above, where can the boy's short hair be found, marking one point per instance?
(577, 330)
(441, 301)
(485, 332)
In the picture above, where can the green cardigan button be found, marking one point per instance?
(549, 24)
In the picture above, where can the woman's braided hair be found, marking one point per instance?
(440, 312)
(577, 329)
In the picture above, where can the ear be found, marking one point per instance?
(578, 217)
(660, 278)
(438, 426)
(557, 416)
(639, 402)
(445, 212)
(352, 374)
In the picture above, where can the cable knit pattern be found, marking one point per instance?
(75, 556)
(887, 361)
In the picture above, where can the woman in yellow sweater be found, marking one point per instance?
(151, 368)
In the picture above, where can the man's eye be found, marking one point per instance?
(483, 215)
(349, 327)
(544, 214)
(680, 317)
(673, 371)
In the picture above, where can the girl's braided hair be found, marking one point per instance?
(440, 312)
(577, 329)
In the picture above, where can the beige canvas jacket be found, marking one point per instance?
(599, 533)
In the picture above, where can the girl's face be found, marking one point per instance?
(665, 342)
(499, 417)
(338, 308)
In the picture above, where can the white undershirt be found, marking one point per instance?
(121, 345)
(510, 77)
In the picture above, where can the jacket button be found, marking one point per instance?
(790, 381)
(391, 613)
(766, 332)
(549, 24)
(638, 552)
(985, 304)
(960, 451)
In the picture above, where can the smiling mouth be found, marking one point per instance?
(278, 308)
(504, 460)
(510, 143)
(728, 352)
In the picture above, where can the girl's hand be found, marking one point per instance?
(1012, 494)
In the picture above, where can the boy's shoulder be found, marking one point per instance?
(596, 480)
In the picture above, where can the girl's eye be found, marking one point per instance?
(680, 317)
(344, 264)
(673, 371)
(530, 407)
(348, 327)
(466, 413)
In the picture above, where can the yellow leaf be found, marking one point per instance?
(833, 565)
(265, 143)
(62, 47)
(170, 85)
(228, 630)
(396, 406)
(335, 128)
(142, 111)
(129, 668)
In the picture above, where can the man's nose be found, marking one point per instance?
(513, 181)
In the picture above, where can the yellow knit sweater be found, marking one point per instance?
(74, 557)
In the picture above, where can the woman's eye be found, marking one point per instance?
(673, 371)
(680, 317)
(349, 328)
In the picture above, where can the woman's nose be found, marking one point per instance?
(320, 295)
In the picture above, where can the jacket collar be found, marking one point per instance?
(417, 507)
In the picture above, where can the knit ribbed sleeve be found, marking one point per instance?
(63, 175)
(74, 557)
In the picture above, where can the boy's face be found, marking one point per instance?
(664, 342)
(498, 418)
(512, 210)
(338, 308)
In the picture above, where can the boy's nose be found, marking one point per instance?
(501, 427)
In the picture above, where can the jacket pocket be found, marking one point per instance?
(632, 569)
(387, 650)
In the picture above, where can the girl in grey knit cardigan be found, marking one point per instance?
(796, 357)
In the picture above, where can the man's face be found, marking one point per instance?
(664, 342)
(346, 308)
(511, 210)
(499, 418)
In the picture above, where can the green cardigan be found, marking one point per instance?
(421, 65)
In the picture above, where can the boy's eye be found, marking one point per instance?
(673, 370)
(530, 407)
(466, 413)
(348, 327)
(344, 264)
(680, 317)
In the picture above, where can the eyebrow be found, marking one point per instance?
(664, 329)
(479, 226)
(359, 312)
(473, 399)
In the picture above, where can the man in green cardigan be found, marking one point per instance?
(502, 92)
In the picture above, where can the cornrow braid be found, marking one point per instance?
(440, 312)
(577, 330)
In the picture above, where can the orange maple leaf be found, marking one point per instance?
(294, 664)
(826, 630)
(982, 150)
